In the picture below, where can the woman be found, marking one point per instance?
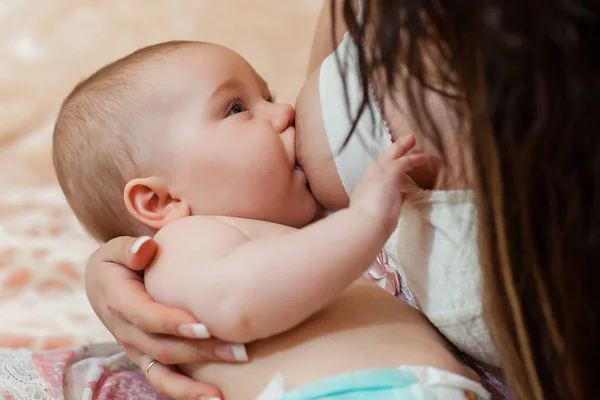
(517, 84)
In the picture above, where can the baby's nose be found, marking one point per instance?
(283, 117)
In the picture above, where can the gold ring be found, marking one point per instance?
(148, 368)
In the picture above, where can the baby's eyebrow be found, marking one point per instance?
(264, 85)
(229, 84)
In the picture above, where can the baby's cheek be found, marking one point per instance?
(312, 148)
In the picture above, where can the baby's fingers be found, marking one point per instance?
(408, 163)
(399, 148)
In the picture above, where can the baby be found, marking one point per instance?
(183, 141)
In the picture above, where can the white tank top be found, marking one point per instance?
(434, 246)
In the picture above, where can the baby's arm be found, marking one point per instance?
(245, 290)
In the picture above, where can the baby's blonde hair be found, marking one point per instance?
(94, 143)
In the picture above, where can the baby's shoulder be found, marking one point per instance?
(256, 229)
(200, 233)
(217, 231)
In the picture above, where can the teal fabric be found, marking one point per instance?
(381, 384)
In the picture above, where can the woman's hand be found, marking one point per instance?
(145, 329)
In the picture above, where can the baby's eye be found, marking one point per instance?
(236, 108)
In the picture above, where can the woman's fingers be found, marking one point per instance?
(168, 381)
(136, 306)
(148, 330)
(134, 253)
(173, 350)
(126, 298)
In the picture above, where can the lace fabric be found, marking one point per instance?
(19, 378)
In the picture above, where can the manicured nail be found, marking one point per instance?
(239, 352)
(194, 331)
(139, 242)
(231, 352)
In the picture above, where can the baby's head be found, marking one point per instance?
(177, 129)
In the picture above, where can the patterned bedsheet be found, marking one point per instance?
(46, 47)
(42, 255)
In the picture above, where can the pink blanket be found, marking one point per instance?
(98, 371)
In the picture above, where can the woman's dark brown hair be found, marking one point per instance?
(523, 79)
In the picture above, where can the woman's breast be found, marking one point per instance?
(312, 148)
(334, 159)
(326, 111)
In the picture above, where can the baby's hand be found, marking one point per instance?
(380, 191)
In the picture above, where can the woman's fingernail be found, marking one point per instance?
(231, 352)
(139, 242)
(239, 352)
(194, 331)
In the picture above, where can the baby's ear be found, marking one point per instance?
(151, 203)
